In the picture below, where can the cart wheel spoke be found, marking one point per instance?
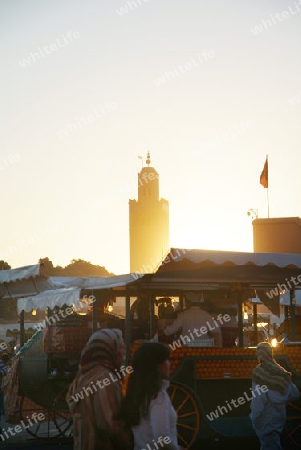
(61, 414)
(188, 414)
(41, 429)
(188, 427)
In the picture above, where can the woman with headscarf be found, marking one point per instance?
(147, 408)
(268, 408)
(95, 394)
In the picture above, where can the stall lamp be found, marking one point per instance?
(110, 308)
(274, 342)
(255, 300)
(246, 316)
(34, 312)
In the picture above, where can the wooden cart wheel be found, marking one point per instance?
(293, 422)
(45, 429)
(61, 414)
(187, 409)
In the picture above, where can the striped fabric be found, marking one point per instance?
(102, 347)
(93, 405)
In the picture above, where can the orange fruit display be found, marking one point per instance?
(213, 362)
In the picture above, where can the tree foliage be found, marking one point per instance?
(4, 265)
(76, 268)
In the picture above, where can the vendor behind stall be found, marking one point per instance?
(195, 326)
(140, 316)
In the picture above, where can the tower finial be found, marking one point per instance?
(148, 161)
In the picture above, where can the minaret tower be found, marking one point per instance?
(149, 223)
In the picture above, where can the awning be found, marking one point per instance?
(193, 269)
(50, 299)
(23, 281)
(22, 273)
(96, 282)
(71, 294)
(110, 282)
(180, 258)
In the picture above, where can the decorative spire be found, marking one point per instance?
(148, 161)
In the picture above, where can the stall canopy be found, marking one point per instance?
(90, 283)
(27, 280)
(193, 267)
(179, 258)
(71, 293)
(50, 299)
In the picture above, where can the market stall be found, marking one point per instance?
(204, 379)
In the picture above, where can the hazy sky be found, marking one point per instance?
(209, 87)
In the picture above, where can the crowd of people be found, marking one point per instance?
(106, 421)
(145, 417)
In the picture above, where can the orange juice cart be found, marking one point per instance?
(211, 388)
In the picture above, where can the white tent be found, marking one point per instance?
(50, 299)
(23, 281)
(70, 295)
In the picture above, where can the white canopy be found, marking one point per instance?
(27, 280)
(7, 276)
(70, 294)
(96, 282)
(50, 299)
(219, 257)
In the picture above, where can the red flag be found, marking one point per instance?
(264, 177)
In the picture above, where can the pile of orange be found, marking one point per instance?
(218, 367)
(241, 368)
(293, 353)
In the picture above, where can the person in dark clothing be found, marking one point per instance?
(3, 373)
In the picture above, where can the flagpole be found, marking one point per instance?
(264, 181)
(267, 156)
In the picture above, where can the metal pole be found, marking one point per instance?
(240, 319)
(293, 315)
(255, 323)
(94, 315)
(22, 331)
(152, 315)
(127, 326)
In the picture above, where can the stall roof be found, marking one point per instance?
(189, 269)
(22, 273)
(179, 259)
(50, 299)
(27, 280)
(70, 293)
(96, 282)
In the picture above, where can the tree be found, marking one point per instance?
(81, 268)
(76, 268)
(4, 265)
(49, 268)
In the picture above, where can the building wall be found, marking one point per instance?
(277, 235)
